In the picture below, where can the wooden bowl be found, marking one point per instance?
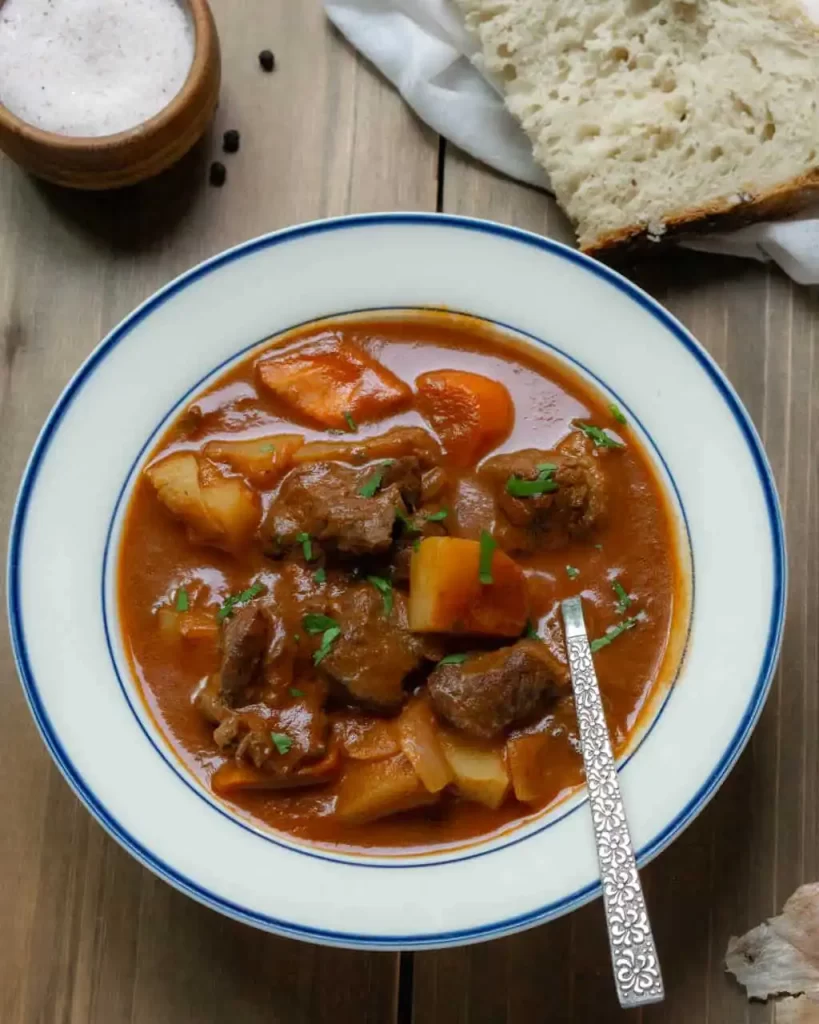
(111, 161)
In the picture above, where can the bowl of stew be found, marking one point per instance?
(308, 516)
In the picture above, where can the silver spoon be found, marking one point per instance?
(634, 959)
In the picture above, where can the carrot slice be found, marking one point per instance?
(334, 383)
(471, 413)
(447, 595)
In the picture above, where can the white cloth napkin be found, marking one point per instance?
(423, 48)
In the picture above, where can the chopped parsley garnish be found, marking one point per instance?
(437, 517)
(328, 638)
(282, 742)
(268, 448)
(616, 412)
(182, 602)
(294, 692)
(488, 545)
(600, 437)
(371, 485)
(384, 588)
(453, 659)
(598, 547)
(405, 521)
(571, 572)
(306, 542)
(351, 423)
(246, 595)
(315, 623)
(530, 632)
(320, 575)
(416, 544)
(543, 484)
(623, 600)
(613, 633)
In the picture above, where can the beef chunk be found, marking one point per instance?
(245, 639)
(487, 693)
(322, 499)
(551, 519)
(375, 652)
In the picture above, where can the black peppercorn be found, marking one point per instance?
(218, 174)
(267, 60)
(230, 141)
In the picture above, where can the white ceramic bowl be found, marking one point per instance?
(65, 530)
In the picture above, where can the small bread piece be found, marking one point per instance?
(658, 117)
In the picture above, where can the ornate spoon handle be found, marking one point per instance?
(633, 953)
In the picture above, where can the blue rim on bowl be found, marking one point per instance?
(498, 928)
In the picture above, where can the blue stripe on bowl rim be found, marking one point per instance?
(499, 928)
(501, 841)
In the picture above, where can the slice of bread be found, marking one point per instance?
(655, 117)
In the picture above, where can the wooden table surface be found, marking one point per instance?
(88, 934)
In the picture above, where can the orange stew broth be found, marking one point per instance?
(638, 543)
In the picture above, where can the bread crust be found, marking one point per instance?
(724, 214)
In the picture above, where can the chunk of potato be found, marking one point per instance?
(470, 413)
(478, 766)
(331, 381)
(191, 625)
(236, 509)
(375, 789)
(417, 730)
(176, 481)
(447, 596)
(223, 511)
(168, 621)
(199, 626)
(262, 460)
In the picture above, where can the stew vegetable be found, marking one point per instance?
(340, 577)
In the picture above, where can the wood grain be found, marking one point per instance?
(90, 937)
(758, 840)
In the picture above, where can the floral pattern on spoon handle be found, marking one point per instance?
(634, 956)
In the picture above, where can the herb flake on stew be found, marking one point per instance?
(600, 437)
(437, 517)
(384, 588)
(613, 633)
(282, 742)
(320, 575)
(405, 521)
(268, 449)
(616, 412)
(543, 484)
(488, 545)
(453, 659)
(328, 638)
(294, 692)
(246, 595)
(623, 600)
(372, 484)
(182, 601)
(351, 423)
(416, 544)
(572, 572)
(316, 623)
(306, 542)
(530, 632)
